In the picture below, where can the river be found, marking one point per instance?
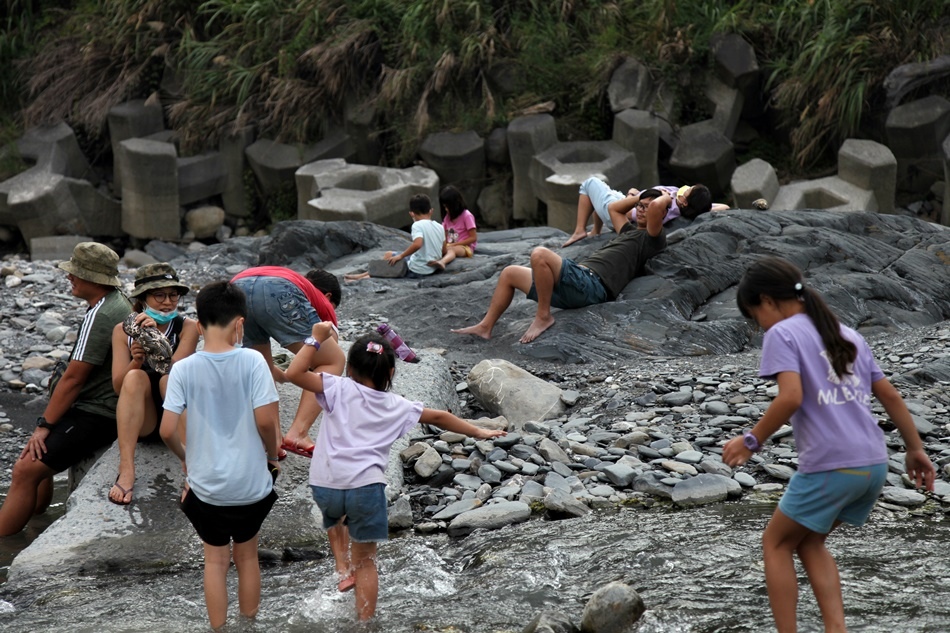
(698, 570)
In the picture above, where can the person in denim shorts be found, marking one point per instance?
(554, 281)
(284, 305)
(361, 420)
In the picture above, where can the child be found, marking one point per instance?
(361, 420)
(459, 225)
(231, 438)
(826, 375)
(427, 238)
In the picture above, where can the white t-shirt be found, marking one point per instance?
(432, 236)
(359, 427)
(226, 459)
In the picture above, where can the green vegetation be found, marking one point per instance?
(290, 66)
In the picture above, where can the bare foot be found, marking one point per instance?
(575, 237)
(478, 330)
(437, 263)
(537, 328)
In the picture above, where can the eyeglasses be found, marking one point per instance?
(160, 296)
(641, 206)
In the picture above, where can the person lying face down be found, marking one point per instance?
(554, 281)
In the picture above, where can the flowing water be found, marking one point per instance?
(697, 570)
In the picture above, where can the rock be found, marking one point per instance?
(454, 509)
(561, 504)
(614, 608)
(551, 452)
(551, 621)
(779, 471)
(428, 462)
(702, 489)
(204, 221)
(400, 514)
(489, 517)
(902, 496)
(505, 389)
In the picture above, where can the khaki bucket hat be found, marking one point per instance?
(94, 262)
(155, 276)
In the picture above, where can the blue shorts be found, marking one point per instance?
(362, 510)
(276, 309)
(577, 287)
(600, 196)
(817, 500)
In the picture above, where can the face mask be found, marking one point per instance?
(161, 317)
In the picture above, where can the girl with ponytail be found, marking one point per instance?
(826, 376)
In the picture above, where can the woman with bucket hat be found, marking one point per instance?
(140, 386)
(80, 416)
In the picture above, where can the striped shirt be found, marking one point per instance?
(94, 346)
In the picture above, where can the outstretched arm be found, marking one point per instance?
(449, 422)
(787, 402)
(416, 245)
(919, 467)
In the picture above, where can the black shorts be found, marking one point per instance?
(154, 378)
(219, 525)
(76, 436)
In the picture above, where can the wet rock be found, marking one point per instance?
(551, 621)
(614, 608)
(489, 517)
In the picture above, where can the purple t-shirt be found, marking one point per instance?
(673, 211)
(458, 229)
(359, 427)
(834, 427)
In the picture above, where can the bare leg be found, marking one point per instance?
(355, 276)
(329, 359)
(249, 577)
(135, 417)
(546, 266)
(512, 278)
(217, 560)
(367, 579)
(825, 582)
(339, 537)
(584, 210)
(44, 495)
(21, 501)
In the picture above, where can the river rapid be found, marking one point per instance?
(698, 570)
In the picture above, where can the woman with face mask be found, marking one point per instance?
(141, 388)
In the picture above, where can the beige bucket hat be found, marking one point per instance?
(94, 262)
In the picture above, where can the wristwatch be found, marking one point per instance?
(41, 423)
(314, 343)
(751, 442)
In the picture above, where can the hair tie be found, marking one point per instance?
(375, 348)
(800, 291)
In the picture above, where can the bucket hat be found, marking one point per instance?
(155, 276)
(94, 262)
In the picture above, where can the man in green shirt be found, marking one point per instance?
(80, 416)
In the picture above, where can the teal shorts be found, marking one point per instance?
(817, 500)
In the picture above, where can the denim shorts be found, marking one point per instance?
(577, 287)
(362, 510)
(817, 500)
(600, 196)
(276, 309)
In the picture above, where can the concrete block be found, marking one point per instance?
(870, 165)
(916, 129)
(704, 155)
(381, 268)
(55, 247)
(232, 148)
(752, 180)
(459, 159)
(54, 148)
(132, 119)
(101, 213)
(735, 61)
(631, 86)
(150, 204)
(831, 193)
(496, 147)
(201, 177)
(638, 131)
(43, 205)
(335, 144)
(727, 105)
(558, 172)
(527, 136)
(274, 164)
(361, 126)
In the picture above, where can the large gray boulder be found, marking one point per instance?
(614, 608)
(490, 517)
(505, 389)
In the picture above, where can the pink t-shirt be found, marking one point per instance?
(359, 427)
(459, 229)
(834, 427)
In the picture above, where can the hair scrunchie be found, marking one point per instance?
(800, 291)
(373, 347)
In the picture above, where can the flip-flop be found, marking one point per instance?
(291, 447)
(125, 493)
(346, 584)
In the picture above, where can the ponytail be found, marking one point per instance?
(781, 280)
(372, 357)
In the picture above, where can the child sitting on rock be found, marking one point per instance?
(459, 224)
(427, 238)
(361, 420)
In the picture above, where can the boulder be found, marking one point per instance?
(503, 388)
(631, 86)
(551, 621)
(702, 489)
(871, 166)
(204, 221)
(753, 180)
(704, 155)
(614, 608)
(490, 517)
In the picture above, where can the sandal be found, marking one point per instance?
(346, 584)
(125, 493)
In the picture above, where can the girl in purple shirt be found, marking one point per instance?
(361, 420)
(826, 376)
(459, 225)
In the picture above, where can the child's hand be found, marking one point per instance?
(394, 259)
(734, 453)
(920, 469)
(322, 331)
(484, 434)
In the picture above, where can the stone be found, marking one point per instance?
(454, 509)
(551, 621)
(503, 388)
(869, 165)
(704, 155)
(613, 608)
(382, 269)
(702, 489)
(753, 180)
(204, 221)
(494, 204)
(496, 147)
(527, 137)
(779, 471)
(561, 504)
(459, 159)
(201, 177)
(638, 131)
(631, 86)
(489, 517)
(902, 496)
(427, 463)
(650, 482)
(400, 514)
(132, 119)
(150, 207)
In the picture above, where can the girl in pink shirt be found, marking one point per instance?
(826, 376)
(361, 420)
(459, 224)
